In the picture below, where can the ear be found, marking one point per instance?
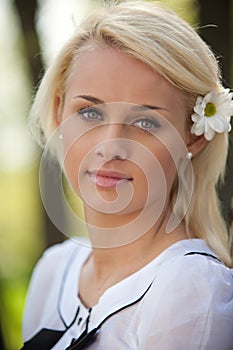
(196, 144)
(58, 107)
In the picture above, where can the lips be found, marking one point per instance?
(108, 179)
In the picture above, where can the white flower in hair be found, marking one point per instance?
(212, 113)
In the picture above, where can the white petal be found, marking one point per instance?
(218, 123)
(209, 97)
(225, 90)
(196, 117)
(222, 98)
(199, 100)
(225, 109)
(209, 134)
(199, 109)
(196, 132)
(198, 128)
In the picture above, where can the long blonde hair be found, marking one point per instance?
(156, 36)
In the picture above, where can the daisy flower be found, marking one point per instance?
(212, 113)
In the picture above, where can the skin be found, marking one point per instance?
(106, 76)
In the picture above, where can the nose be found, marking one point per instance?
(114, 145)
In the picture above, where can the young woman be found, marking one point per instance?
(136, 104)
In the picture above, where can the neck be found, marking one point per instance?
(131, 246)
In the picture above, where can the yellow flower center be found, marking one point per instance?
(210, 109)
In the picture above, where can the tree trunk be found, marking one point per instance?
(27, 13)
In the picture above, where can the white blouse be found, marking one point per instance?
(181, 300)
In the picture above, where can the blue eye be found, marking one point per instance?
(90, 114)
(147, 124)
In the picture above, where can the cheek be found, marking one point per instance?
(154, 173)
(168, 151)
(168, 166)
(73, 163)
(162, 173)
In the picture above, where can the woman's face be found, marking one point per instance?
(123, 128)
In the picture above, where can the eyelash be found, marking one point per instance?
(86, 110)
(153, 122)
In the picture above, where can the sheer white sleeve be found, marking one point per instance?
(190, 307)
(44, 287)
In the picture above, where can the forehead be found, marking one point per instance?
(118, 77)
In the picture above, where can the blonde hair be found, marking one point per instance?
(156, 36)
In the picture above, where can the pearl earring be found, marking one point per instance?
(189, 155)
(60, 137)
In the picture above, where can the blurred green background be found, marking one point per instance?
(32, 32)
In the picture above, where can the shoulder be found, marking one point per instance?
(46, 281)
(198, 277)
(192, 261)
(195, 294)
(57, 255)
(60, 249)
(53, 262)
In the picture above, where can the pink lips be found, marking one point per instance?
(107, 178)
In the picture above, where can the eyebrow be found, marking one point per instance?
(92, 99)
(96, 100)
(142, 107)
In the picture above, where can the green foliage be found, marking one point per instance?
(21, 243)
(12, 301)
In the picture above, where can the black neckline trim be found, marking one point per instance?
(86, 337)
(61, 291)
(205, 254)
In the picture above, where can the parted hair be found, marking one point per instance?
(155, 35)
